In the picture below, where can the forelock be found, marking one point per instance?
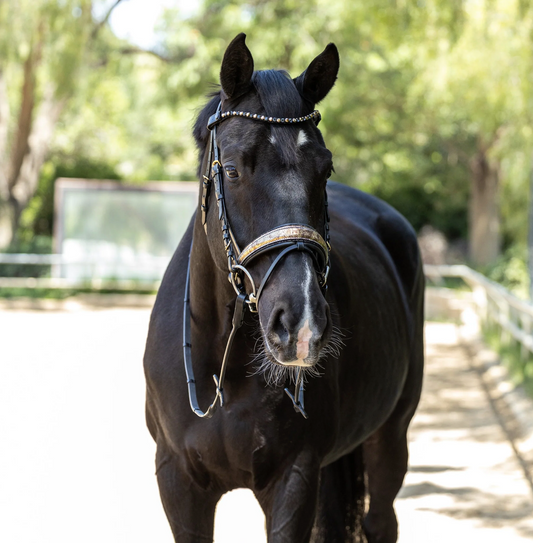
(280, 98)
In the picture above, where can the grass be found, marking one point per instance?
(520, 367)
(455, 283)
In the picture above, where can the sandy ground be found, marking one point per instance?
(76, 463)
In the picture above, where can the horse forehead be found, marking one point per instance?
(289, 187)
(301, 139)
(239, 133)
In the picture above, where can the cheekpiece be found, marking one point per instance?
(287, 238)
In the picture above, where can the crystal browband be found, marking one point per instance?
(219, 117)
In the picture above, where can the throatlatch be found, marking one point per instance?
(287, 237)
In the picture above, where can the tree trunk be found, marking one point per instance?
(25, 117)
(20, 164)
(484, 216)
(530, 234)
(5, 220)
(23, 186)
(4, 127)
(19, 148)
(19, 173)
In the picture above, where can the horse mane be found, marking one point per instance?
(200, 131)
(279, 97)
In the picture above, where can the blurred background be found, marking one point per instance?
(432, 112)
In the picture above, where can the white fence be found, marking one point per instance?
(494, 304)
(150, 266)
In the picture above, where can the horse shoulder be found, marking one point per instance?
(400, 240)
(392, 230)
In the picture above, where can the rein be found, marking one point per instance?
(287, 237)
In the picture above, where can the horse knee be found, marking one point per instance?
(190, 509)
(382, 528)
(290, 503)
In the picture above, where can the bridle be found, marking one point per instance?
(287, 237)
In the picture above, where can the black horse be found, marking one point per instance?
(259, 253)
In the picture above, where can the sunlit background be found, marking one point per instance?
(432, 112)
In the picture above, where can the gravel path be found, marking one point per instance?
(76, 463)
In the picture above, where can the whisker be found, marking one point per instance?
(334, 346)
(277, 375)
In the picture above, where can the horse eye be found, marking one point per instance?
(231, 172)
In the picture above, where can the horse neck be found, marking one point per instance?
(210, 291)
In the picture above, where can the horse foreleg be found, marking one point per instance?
(386, 465)
(190, 509)
(290, 502)
(386, 456)
(341, 502)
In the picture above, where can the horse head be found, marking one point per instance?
(271, 185)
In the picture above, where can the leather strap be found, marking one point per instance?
(291, 233)
(238, 318)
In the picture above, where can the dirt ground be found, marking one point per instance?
(76, 462)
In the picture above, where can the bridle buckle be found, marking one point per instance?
(324, 278)
(251, 300)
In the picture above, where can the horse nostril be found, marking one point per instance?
(280, 328)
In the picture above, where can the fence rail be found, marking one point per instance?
(59, 259)
(494, 304)
(85, 284)
(151, 265)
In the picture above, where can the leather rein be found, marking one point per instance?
(287, 237)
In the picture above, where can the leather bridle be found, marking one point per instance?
(287, 237)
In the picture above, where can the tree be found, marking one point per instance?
(481, 83)
(43, 49)
(433, 104)
(369, 120)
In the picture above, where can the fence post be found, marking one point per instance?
(480, 299)
(526, 327)
(503, 320)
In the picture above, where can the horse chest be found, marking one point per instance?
(243, 447)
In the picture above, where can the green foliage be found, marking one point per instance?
(520, 367)
(32, 245)
(380, 138)
(422, 87)
(36, 293)
(511, 271)
(480, 85)
(57, 30)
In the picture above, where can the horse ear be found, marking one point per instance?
(320, 76)
(237, 68)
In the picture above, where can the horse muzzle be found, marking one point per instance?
(296, 333)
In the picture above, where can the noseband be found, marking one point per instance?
(287, 237)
